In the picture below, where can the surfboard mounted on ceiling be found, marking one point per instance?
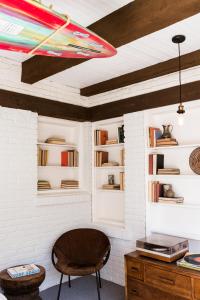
(29, 27)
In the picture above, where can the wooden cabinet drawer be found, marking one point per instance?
(196, 289)
(135, 290)
(168, 281)
(135, 269)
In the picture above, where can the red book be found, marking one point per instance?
(103, 137)
(64, 158)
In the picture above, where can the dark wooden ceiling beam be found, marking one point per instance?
(129, 23)
(44, 107)
(190, 92)
(187, 61)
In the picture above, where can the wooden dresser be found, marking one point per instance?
(150, 279)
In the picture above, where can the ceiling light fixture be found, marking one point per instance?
(178, 39)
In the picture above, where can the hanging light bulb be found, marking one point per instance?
(178, 39)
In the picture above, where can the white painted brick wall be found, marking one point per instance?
(29, 230)
(134, 196)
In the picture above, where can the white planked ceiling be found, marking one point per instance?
(149, 50)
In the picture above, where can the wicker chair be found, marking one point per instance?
(81, 252)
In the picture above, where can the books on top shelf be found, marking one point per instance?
(69, 158)
(55, 140)
(168, 171)
(24, 270)
(100, 137)
(122, 180)
(166, 142)
(111, 186)
(157, 192)
(43, 185)
(156, 161)
(154, 135)
(69, 184)
(42, 157)
(101, 157)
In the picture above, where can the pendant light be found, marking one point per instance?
(178, 39)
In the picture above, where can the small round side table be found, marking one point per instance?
(23, 288)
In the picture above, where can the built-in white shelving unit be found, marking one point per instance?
(108, 205)
(175, 219)
(53, 171)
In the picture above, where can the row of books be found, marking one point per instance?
(24, 270)
(43, 185)
(69, 184)
(166, 142)
(122, 180)
(101, 137)
(70, 158)
(101, 158)
(157, 193)
(156, 166)
(42, 157)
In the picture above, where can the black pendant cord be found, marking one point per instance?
(180, 84)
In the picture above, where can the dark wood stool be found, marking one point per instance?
(23, 288)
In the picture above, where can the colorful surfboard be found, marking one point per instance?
(29, 27)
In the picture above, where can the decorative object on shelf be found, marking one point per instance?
(69, 184)
(55, 140)
(178, 39)
(163, 193)
(121, 136)
(167, 191)
(194, 161)
(100, 137)
(29, 27)
(167, 131)
(43, 185)
(111, 179)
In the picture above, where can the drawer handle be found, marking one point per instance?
(134, 292)
(134, 269)
(167, 280)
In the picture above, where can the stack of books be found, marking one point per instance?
(24, 270)
(156, 162)
(169, 171)
(122, 157)
(110, 164)
(43, 185)
(42, 157)
(101, 157)
(154, 135)
(111, 187)
(166, 142)
(100, 137)
(157, 193)
(122, 180)
(69, 184)
(183, 263)
(111, 142)
(69, 158)
(55, 140)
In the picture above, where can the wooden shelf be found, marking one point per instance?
(181, 176)
(57, 145)
(110, 191)
(56, 191)
(174, 147)
(110, 167)
(193, 206)
(109, 146)
(58, 166)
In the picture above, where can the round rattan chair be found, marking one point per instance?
(81, 252)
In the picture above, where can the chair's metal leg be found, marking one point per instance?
(60, 285)
(98, 290)
(69, 281)
(100, 283)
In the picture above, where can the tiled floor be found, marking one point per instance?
(85, 289)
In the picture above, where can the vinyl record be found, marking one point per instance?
(193, 259)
